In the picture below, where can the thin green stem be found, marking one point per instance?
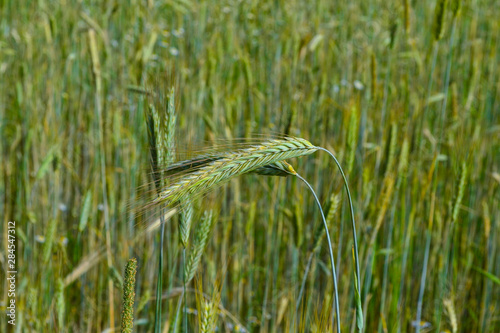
(177, 312)
(159, 283)
(335, 296)
(386, 267)
(406, 246)
(428, 231)
(422, 280)
(443, 277)
(184, 317)
(352, 217)
(303, 283)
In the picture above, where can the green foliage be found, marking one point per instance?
(75, 157)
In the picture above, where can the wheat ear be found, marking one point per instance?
(208, 317)
(280, 169)
(200, 241)
(234, 164)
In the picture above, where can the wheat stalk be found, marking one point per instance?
(334, 274)
(319, 235)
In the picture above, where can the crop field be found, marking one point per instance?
(171, 166)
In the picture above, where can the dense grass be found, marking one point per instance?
(412, 114)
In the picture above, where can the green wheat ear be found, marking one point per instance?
(185, 221)
(233, 164)
(202, 234)
(128, 297)
(208, 317)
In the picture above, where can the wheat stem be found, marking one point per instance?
(335, 294)
(356, 256)
(319, 234)
(159, 282)
(184, 317)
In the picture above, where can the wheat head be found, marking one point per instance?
(265, 158)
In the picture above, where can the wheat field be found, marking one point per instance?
(153, 155)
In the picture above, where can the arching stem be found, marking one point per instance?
(359, 313)
(335, 296)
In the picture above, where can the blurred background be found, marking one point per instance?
(406, 95)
